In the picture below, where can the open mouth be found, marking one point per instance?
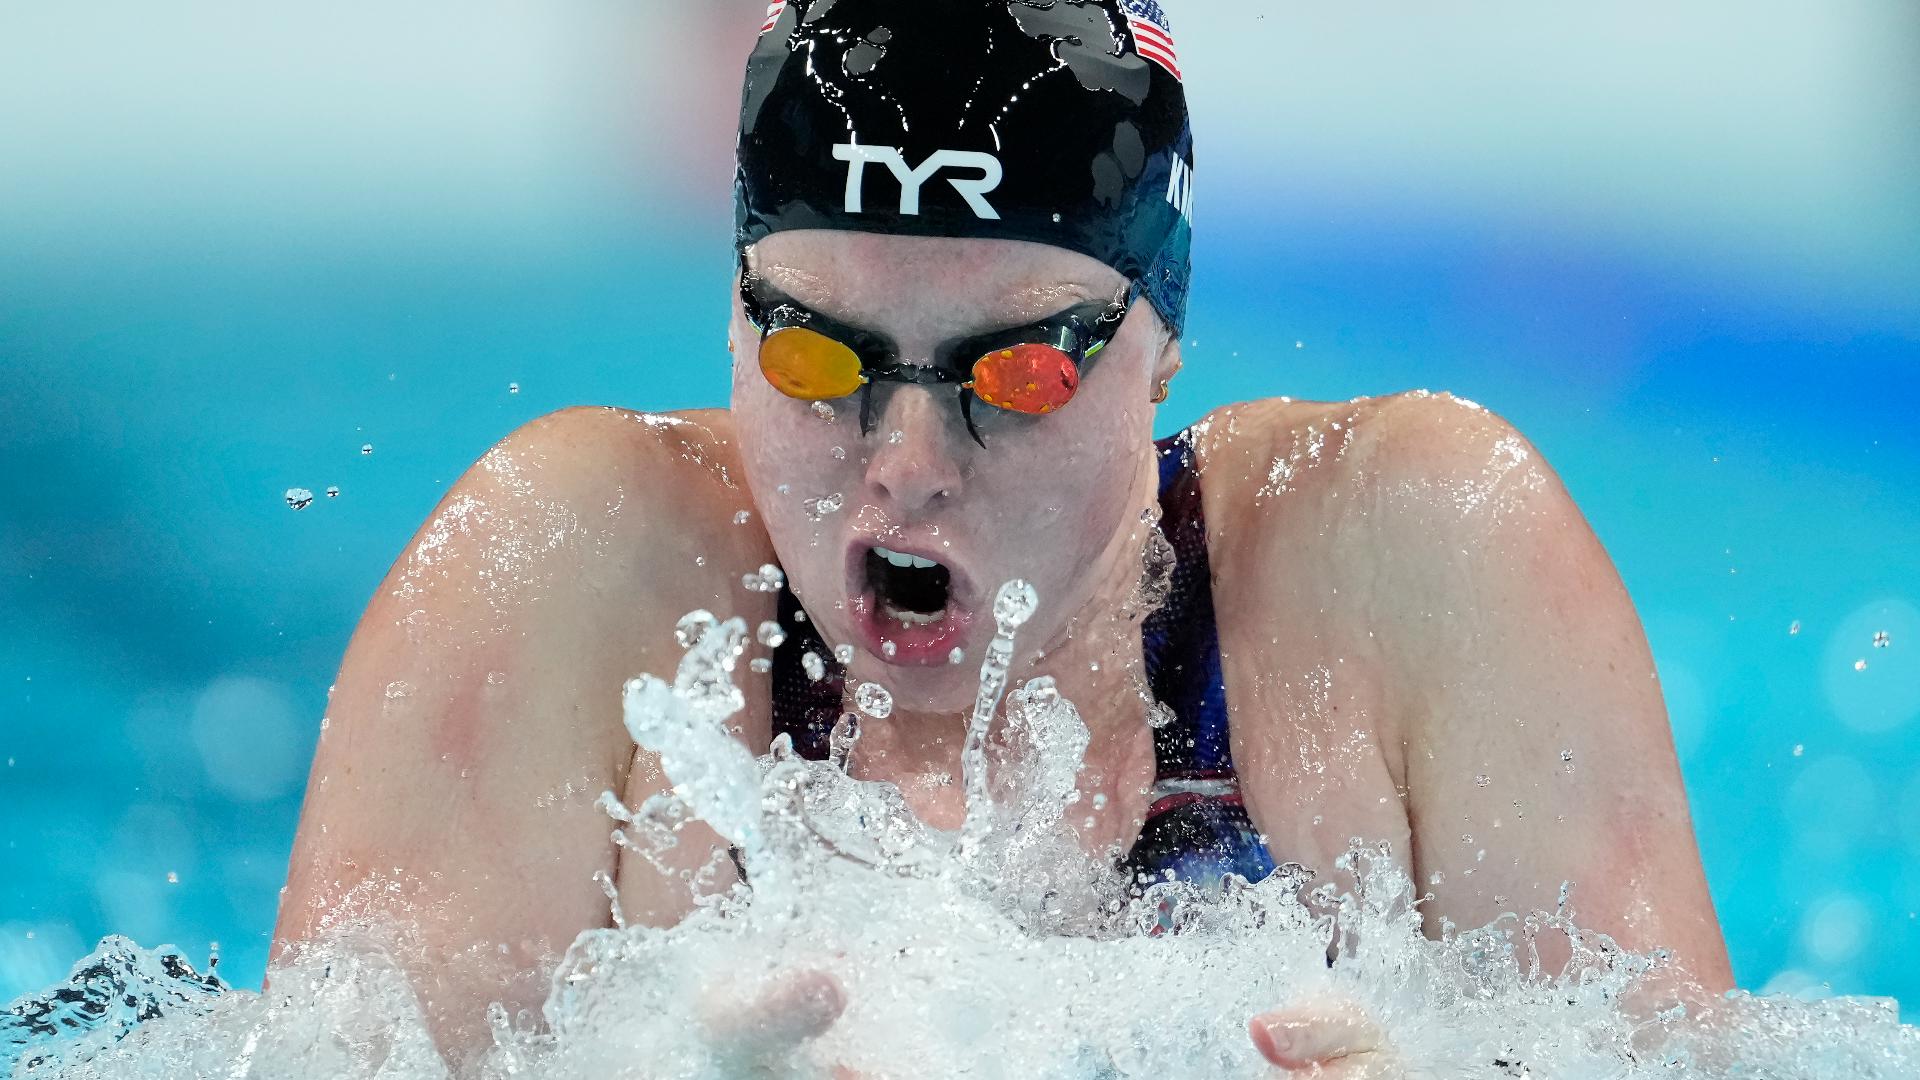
(907, 589)
(910, 609)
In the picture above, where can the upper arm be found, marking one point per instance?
(476, 717)
(1535, 740)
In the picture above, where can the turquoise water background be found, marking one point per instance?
(1680, 250)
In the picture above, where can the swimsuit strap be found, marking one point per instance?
(1197, 828)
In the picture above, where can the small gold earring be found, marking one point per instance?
(729, 344)
(1160, 395)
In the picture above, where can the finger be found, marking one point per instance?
(1315, 1033)
(796, 1007)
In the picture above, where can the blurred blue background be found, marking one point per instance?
(1678, 245)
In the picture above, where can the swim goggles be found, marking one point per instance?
(1032, 369)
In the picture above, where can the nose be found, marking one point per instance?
(913, 458)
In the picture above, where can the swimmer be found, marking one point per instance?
(963, 233)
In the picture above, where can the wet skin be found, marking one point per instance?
(1423, 641)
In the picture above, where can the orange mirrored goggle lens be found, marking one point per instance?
(1034, 379)
(808, 365)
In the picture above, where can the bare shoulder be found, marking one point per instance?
(1258, 452)
(569, 494)
(1411, 480)
(592, 454)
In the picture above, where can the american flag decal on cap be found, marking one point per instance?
(773, 14)
(1152, 34)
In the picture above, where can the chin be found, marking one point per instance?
(927, 691)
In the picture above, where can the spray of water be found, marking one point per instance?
(1001, 950)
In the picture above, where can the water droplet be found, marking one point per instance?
(1099, 800)
(366, 449)
(743, 517)
(895, 438)
(825, 412)
(299, 498)
(1794, 628)
(783, 489)
(824, 506)
(1299, 344)
(768, 578)
(842, 739)
(173, 877)
(513, 388)
(770, 634)
(1566, 755)
(1056, 219)
(1013, 605)
(1159, 715)
(1799, 749)
(843, 653)
(1860, 665)
(760, 664)
(813, 665)
(874, 700)
(333, 491)
(1482, 780)
(398, 689)
(888, 648)
(1881, 639)
(957, 656)
(693, 626)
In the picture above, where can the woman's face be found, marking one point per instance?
(1044, 499)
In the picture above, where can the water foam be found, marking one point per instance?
(997, 950)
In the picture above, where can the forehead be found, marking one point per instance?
(956, 282)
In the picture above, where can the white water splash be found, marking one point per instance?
(1002, 951)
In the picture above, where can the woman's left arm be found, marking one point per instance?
(1536, 745)
(1512, 702)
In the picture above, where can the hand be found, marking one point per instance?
(761, 1033)
(1327, 1038)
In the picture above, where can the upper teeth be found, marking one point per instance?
(897, 559)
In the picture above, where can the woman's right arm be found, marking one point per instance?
(476, 717)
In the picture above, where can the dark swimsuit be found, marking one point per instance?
(1197, 829)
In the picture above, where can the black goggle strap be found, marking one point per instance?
(769, 311)
(1080, 331)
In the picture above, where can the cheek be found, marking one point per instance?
(1070, 487)
(796, 461)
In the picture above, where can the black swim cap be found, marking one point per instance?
(1062, 122)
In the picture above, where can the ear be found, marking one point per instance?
(1167, 359)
